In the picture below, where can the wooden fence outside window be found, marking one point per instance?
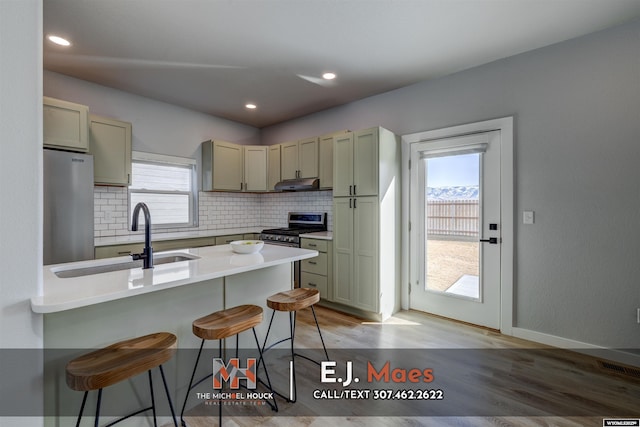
(452, 218)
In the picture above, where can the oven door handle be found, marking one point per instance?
(290, 245)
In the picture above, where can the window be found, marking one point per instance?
(167, 185)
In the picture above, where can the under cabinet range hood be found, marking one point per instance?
(298, 184)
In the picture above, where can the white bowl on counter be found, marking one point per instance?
(247, 246)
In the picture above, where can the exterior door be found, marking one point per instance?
(456, 228)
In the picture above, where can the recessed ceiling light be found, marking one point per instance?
(251, 106)
(329, 76)
(59, 40)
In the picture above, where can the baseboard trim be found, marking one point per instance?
(578, 346)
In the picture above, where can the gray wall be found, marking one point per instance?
(158, 127)
(577, 142)
(20, 209)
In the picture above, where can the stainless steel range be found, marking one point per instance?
(299, 223)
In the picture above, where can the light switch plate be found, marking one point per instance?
(527, 217)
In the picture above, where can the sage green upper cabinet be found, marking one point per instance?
(255, 167)
(233, 167)
(274, 166)
(343, 165)
(110, 144)
(325, 158)
(355, 168)
(308, 158)
(299, 159)
(222, 166)
(65, 125)
(289, 160)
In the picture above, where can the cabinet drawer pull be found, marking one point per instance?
(312, 284)
(312, 262)
(313, 245)
(124, 252)
(350, 190)
(354, 190)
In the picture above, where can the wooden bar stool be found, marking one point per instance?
(292, 301)
(218, 326)
(120, 361)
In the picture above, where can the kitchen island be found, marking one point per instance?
(91, 311)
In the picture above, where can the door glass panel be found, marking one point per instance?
(452, 225)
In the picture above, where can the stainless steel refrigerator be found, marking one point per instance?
(68, 206)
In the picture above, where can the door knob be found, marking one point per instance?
(490, 240)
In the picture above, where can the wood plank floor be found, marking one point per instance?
(555, 381)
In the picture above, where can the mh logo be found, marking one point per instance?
(223, 373)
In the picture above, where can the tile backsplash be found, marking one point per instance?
(216, 210)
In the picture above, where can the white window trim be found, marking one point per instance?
(170, 160)
(161, 158)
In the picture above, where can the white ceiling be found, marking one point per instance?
(214, 56)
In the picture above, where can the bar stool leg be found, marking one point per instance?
(84, 401)
(319, 333)
(153, 399)
(166, 390)
(221, 389)
(266, 373)
(98, 408)
(193, 374)
(293, 388)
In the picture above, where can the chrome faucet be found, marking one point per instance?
(147, 253)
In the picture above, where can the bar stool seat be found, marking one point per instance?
(292, 301)
(218, 326)
(227, 323)
(120, 361)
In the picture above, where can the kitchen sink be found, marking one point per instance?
(97, 269)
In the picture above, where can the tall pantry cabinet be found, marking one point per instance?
(366, 221)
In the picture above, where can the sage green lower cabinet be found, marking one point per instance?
(170, 245)
(356, 245)
(118, 250)
(317, 273)
(225, 240)
(158, 246)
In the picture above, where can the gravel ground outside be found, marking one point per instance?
(448, 260)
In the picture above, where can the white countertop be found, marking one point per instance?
(139, 238)
(61, 294)
(320, 235)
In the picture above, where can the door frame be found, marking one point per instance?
(505, 126)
